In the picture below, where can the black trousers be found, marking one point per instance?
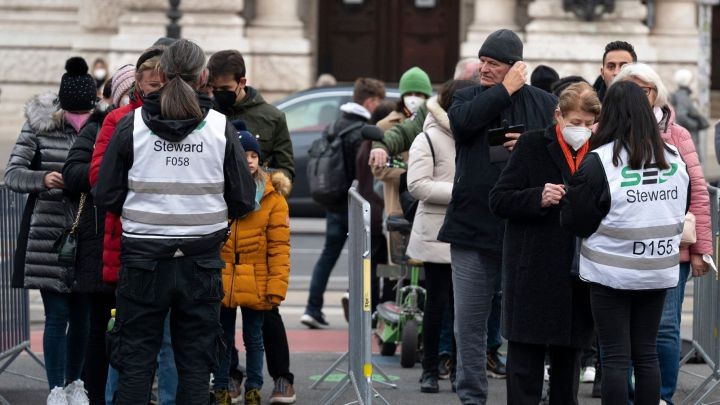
(277, 352)
(96, 361)
(147, 289)
(439, 291)
(627, 326)
(525, 370)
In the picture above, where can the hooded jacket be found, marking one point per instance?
(113, 226)
(91, 228)
(679, 137)
(239, 194)
(41, 148)
(686, 114)
(257, 253)
(268, 124)
(475, 110)
(431, 182)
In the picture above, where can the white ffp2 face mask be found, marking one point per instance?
(576, 137)
(413, 103)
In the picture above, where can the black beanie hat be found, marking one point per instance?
(543, 77)
(247, 140)
(502, 45)
(78, 91)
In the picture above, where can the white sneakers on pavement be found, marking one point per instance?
(57, 397)
(76, 393)
(587, 375)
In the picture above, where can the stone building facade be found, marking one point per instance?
(280, 38)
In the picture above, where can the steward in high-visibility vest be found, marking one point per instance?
(637, 245)
(175, 172)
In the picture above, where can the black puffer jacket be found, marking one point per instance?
(91, 229)
(41, 148)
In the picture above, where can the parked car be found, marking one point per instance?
(308, 112)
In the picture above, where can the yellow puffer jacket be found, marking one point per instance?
(257, 254)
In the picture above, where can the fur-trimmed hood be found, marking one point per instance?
(439, 115)
(281, 183)
(43, 113)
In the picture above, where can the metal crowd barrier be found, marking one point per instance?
(14, 302)
(359, 372)
(706, 316)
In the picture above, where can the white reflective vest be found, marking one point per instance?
(176, 189)
(637, 245)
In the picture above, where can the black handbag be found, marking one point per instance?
(66, 245)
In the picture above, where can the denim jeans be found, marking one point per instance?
(166, 372)
(191, 287)
(336, 229)
(668, 338)
(474, 276)
(494, 339)
(252, 324)
(67, 327)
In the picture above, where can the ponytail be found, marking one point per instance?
(182, 63)
(179, 101)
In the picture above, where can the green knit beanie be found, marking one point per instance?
(415, 80)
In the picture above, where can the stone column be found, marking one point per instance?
(140, 24)
(559, 39)
(490, 15)
(675, 17)
(214, 24)
(280, 59)
(675, 34)
(276, 19)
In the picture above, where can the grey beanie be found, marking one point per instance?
(502, 45)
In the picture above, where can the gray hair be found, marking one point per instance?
(182, 63)
(461, 70)
(683, 77)
(645, 73)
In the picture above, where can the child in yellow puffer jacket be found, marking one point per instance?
(257, 269)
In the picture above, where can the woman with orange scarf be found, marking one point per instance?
(546, 308)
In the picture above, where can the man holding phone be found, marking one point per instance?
(503, 103)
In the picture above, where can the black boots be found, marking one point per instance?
(429, 382)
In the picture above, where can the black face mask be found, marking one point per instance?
(225, 99)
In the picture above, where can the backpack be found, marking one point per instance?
(408, 203)
(327, 175)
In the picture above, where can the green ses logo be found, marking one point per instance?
(649, 175)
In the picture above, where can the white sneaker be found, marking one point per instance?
(663, 402)
(588, 375)
(76, 393)
(546, 376)
(57, 397)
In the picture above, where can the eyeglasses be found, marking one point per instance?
(648, 89)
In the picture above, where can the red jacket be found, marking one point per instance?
(113, 226)
(679, 137)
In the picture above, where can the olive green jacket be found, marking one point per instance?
(268, 124)
(399, 138)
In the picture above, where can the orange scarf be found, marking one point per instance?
(572, 163)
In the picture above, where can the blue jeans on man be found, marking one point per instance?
(336, 230)
(474, 280)
(668, 339)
